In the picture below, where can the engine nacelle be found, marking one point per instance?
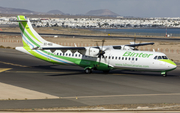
(127, 48)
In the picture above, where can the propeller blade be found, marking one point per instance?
(134, 40)
(103, 43)
(105, 58)
(99, 60)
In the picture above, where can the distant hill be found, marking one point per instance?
(101, 12)
(17, 11)
(55, 12)
(5, 10)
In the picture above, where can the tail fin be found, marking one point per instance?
(30, 37)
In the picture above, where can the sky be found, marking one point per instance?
(136, 8)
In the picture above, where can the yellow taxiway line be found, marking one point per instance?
(4, 69)
(13, 64)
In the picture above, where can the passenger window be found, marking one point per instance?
(116, 58)
(76, 55)
(79, 55)
(69, 54)
(129, 58)
(57, 53)
(112, 57)
(133, 59)
(72, 54)
(66, 54)
(122, 58)
(126, 58)
(136, 59)
(60, 54)
(63, 54)
(109, 57)
(119, 58)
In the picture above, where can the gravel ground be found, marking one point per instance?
(124, 107)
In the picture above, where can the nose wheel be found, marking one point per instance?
(164, 74)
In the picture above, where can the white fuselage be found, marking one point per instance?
(128, 60)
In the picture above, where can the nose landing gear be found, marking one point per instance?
(164, 74)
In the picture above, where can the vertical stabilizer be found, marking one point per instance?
(30, 37)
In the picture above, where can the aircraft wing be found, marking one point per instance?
(139, 44)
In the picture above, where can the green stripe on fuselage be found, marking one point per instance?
(38, 55)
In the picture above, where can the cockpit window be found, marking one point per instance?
(155, 57)
(164, 57)
(159, 57)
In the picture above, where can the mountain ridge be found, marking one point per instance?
(6, 10)
(55, 12)
(101, 12)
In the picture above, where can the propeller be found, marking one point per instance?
(101, 51)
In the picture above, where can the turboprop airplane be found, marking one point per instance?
(103, 58)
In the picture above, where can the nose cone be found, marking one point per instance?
(170, 64)
(174, 66)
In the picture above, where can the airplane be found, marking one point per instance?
(103, 58)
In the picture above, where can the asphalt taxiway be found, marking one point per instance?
(173, 39)
(32, 83)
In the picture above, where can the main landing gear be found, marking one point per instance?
(88, 70)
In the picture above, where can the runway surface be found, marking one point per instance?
(68, 86)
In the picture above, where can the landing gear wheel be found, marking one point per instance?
(165, 75)
(88, 71)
